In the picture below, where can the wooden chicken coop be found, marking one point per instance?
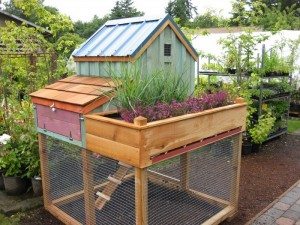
(99, 170)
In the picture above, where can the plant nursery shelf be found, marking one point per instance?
(273, 97)
(277, 133)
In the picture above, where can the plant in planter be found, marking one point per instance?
(160, 96)
(157, 110)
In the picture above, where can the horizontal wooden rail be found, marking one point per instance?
(195, 145)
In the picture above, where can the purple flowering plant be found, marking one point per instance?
(162, 110)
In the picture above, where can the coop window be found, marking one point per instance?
(167, 50)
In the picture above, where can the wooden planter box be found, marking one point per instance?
(140, 144)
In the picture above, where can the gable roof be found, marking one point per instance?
(126, 39)
(76, 93)
(21, 20)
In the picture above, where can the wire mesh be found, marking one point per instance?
(76, 175)
(193, 187)
(186, 189)
(64, 166)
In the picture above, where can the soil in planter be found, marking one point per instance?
(264, 177)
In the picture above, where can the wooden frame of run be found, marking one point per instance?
(144, 144)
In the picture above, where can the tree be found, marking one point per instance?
(182, 9)
(57, 23)
(267, 14)
(124, 9)
(86, 29)
(208, 20)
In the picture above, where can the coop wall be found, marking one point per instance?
(152, 59)
(197, 187)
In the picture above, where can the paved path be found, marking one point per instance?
(284, 211)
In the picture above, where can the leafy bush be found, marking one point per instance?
(260, 131)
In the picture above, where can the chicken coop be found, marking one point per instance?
(99, 170)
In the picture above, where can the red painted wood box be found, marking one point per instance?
(59, 107)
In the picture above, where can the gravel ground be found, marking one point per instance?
(264, 177)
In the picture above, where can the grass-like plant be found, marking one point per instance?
(137, 89)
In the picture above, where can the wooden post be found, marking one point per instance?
(141, 196)
(88, 188)
(44, 170)
(235, 183)
(185, 170)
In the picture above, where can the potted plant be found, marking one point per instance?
(18, 150)
(275, 65)
(261, 130)
(14, 167)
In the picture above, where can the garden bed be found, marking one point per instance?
(264, 177)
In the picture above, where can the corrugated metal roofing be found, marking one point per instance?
(122, 37)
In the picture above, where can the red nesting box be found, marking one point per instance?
(60, 106)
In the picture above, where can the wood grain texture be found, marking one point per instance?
(219, 217)
(141, 196)
(64, 217)
(123, 135)
(77, 94)
(60, 127)
(112, 149)
(58, 114)
(88, 189)
(143, 142)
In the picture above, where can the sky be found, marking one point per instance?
(85, 10)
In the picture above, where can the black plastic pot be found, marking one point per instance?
(231, 70)
(276, 74)
(1, 181)
(15, 185)
(294, 107)
(36, 183)
(246, 147)
(255, 148)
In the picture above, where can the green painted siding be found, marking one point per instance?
(152, 59)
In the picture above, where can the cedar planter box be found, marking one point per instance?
(138, 144)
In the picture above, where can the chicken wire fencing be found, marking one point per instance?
(188, 189)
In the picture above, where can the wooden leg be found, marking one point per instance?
(88, 188)
(44, 170)
(141, 196)
(235, 183)
(185, 171)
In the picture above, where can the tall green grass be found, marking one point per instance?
(137, 89)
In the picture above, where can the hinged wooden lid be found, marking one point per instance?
(76, 93)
